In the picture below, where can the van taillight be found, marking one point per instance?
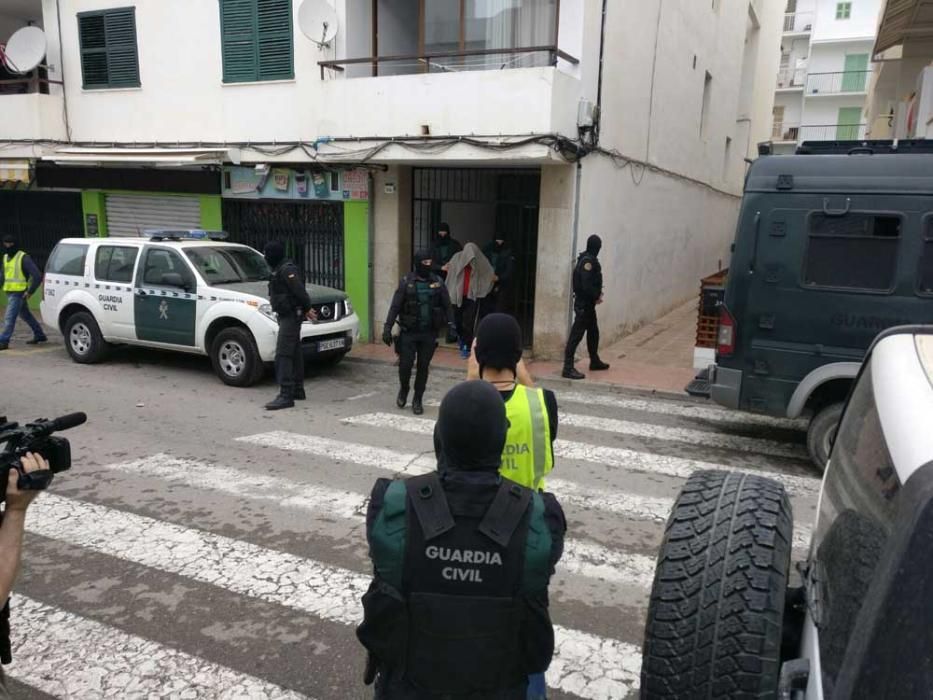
(725, 344)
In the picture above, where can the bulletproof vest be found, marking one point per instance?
(421, 308)
(579, 271)
(280, 297)
(463, 568)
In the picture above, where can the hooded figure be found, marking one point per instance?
(587, 294)
(19, 279)
(470, 278)
(458, 582)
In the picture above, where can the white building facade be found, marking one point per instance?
(547, 120)
(825, 70)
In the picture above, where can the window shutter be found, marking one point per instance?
(109, 58)
(93, 42)
(275, 39)
(122, 60)
(238, 39)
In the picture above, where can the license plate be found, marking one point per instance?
(334, 344)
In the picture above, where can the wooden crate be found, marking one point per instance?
(712, 289)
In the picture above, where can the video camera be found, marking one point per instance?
(16, 441)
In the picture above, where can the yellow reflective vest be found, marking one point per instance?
(14, 279)
(527, 456)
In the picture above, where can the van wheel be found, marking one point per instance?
(83, 339)
(717, 602)
(822, 433)
(235, 357)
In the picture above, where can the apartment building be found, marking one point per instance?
(900, 101)
(824, 73)
(547, 120)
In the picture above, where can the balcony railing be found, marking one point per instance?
(789, 78)
(831, 132)
(456, 61)
(836, 83)
(27, 86)
(798, 22)
(782, 131)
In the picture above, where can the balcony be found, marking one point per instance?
(403, 37)
(832, 132)
(798, 22)
(784, 133)
(29, 113)
(842, 83)
(791, 79)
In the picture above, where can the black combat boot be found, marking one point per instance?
(597, 365)
(283, 400)
(416, 406)
(300, 394)
(572, 373)
(402, 397)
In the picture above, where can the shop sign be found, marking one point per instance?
(242, 182)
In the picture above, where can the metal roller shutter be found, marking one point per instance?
(130, 215)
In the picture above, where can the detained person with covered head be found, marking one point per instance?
(462, 559)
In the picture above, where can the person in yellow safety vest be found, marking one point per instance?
(21, 278)
(532, 412)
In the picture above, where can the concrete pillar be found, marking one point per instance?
(555, 260)
(391, 237)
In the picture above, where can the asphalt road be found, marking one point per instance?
(203, 547)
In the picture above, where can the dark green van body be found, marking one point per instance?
(830, 250)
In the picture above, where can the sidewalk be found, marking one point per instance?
(657, 357)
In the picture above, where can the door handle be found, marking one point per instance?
(140, 292)
(836, 212)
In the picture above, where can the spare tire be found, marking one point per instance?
(717, 602)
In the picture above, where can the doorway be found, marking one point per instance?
(477, 203)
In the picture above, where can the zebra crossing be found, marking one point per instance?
(261, 545)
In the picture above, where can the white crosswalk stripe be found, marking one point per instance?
(584, 664)
(610, 456)
(707, 412)
(70, 656)
(586, 559)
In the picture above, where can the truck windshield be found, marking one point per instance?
(228, 264)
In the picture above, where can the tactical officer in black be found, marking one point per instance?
(587, 293)
(458, 608)
(445, 247)
(500, 256)
(421, 305)
(291, 303)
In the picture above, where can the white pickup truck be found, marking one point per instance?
(189, 291)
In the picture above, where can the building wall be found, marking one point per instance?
(863, 22)
(831, 58)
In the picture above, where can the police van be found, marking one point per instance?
(189, 291)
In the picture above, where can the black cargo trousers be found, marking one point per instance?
(289, 360)
(412, 344)
(584, 322)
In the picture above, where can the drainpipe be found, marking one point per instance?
(371, 235)
(599, 79)
(577, 177)
(61, 65)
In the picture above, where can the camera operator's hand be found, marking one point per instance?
(20, 500)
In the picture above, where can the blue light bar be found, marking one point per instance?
(196, 234)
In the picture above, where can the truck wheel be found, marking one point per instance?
(717, 602)
(822, 433)
(235, 357)
(83, 340)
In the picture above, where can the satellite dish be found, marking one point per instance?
(25, 50)
(318, 21)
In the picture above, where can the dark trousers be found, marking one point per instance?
(465, 316)
(584, 322)
(412, 345)
(289, 360)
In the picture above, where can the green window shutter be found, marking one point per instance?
(275, 39)
(109, 58)
(238, 40)
(256, 39)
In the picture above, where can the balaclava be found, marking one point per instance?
(274, 253)
(10, 245)
(498, 343)
(496, 241)
(445, 229)
(471, 428)
(593, 244)
(421, 270)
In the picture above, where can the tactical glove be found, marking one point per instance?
(387, 335)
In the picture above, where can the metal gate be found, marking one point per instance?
(515, 194)
(39, 220)
(311, 231)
